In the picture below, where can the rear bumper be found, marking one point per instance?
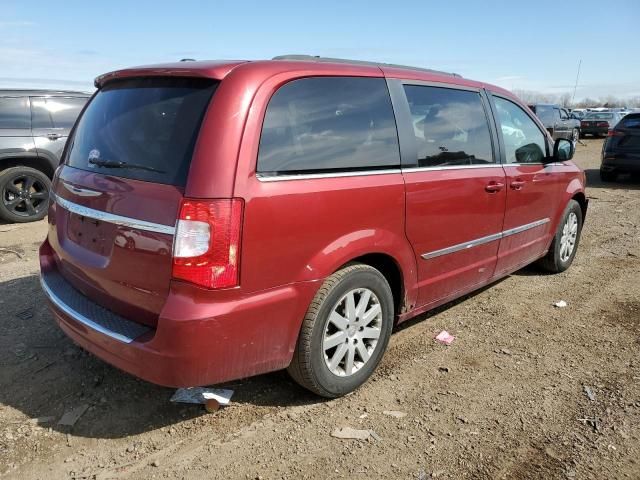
(194, 343)
(594, 130)
(621, 162)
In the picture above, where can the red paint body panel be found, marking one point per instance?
(294, 234)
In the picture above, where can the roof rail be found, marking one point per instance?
(315, 58)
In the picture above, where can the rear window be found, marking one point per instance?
(630, 122)
(55, 112)
(544, 113)
(329, 124)
(599, 116)
(14, 112)
(142, 129)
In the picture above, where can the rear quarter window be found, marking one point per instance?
(631, 122)
(142, 129)
(14, 112)
(329, 124)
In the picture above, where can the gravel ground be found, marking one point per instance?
(527, 390)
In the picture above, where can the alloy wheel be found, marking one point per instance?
(352, 331)
(568, 238)
(25, 195)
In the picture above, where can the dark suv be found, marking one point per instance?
(558, 121)
(34, 125)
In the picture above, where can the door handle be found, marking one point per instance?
(493, 187)
(517, 184)
(53, 136)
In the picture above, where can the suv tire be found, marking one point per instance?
(313, 366)
(24, 194)
(565, 242)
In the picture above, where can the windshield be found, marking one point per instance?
(143, 129)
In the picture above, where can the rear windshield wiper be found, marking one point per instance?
(112, 164)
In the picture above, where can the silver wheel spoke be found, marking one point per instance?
(362, 351)
(363, 302)
(370, 333)
(348, 365)
(335, 339)
(350, 309)
(338, 320)
(370, 315)
(338, 356)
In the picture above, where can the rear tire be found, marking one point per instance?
(607, 176)
(24, 194)
(317, 363)
(565, 242)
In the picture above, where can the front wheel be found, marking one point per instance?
(565, 242)
(344, 333)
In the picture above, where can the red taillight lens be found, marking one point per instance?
(206, 248)
(614, 133)
(602, 124)
(583, 124)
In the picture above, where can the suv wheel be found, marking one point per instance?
(24, 194)
(345, 332)
(565, 242)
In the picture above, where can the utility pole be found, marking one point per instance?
(573, 98)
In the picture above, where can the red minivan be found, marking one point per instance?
(217, 220)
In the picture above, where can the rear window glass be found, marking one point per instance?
(143, 129)
(599, 116)
(329, 124)
(544, 113)
(630, 122)
(14, 113)
(450, 126)
(55, 112)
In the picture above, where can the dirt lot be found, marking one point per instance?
(507, 400)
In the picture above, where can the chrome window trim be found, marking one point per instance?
(81, 318)
(112, 218)
(451, 167)
(443, 84)
(482, 240)
(309, 176)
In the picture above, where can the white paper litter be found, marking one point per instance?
(201, 395)
(560, 304)
(445, 337)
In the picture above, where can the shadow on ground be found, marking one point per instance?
(43, 375)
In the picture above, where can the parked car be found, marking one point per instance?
(621, 149)
(34, 125)
(216, 220)
(599, 123)
(557, 120)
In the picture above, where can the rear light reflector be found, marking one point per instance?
(602, 124)
(206, 247)
(614, 133)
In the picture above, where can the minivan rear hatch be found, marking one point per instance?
(118, 194)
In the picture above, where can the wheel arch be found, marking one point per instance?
(39, 163)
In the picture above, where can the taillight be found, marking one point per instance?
(602, 124)
(614, 133)
(583, 124)
(206, 248)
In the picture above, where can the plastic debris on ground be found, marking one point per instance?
(348, 433)
(589, 393)
(72, 416)
(202, 395)
(394, 413)
(560, 304)
(445, 337)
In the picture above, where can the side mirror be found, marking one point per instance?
(563, 150)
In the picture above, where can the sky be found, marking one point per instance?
(524, 45)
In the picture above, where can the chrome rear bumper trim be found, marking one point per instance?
(115, 219)
(78, 317)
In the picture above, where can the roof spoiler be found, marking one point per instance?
(315, 58)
